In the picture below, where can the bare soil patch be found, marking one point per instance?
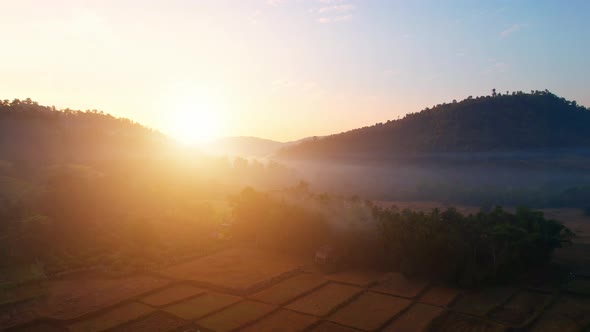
(455, 322)
(236, 270)
(482, 302)
(200, 306)
(17, 314)
(284, 321)
(439, 296)
(157, 322)
(569, 313)
(369, 311)
(20, 293)
(331, 327)
(357, 277)
(418, 318)
(397, 284)
(324, 300)
(112, 318)
(522, 308)
(289, 289)
(38, 327)
(171, 294)
(74, 297)
(236, 316)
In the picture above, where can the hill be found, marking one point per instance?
(244, 146)
(247, 146)
(516, 121)
(33, 133)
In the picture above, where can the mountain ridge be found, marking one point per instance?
(509, 122)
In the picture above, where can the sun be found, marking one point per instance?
(195, 123)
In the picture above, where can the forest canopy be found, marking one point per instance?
(498, 122)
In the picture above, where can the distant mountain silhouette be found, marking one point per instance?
(500, 122)
(247, 146)
(243, 146)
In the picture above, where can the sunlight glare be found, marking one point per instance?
(195, 122)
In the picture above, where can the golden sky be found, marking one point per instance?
(278, 69)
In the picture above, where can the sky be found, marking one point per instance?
(286, 69)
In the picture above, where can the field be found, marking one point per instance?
(236, 270)
(171, 294)
(235, 316)
(289, 289)
(320, 302)
(439, 296)
(480, 303)
(399, 285)
(155, 322)
(521, 308)
(21, 293)
(112, 318)
(357, 278)
(418, 318)
(79, 295)
(455, 322)
(323, 301)
(201, 305)
(369, 311)
(569, 313)
(331, 327)
(284, 321)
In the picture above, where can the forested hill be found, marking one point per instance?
(500, 122)
(34, 133)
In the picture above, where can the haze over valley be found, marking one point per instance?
(294, 165)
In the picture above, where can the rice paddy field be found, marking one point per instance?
(253, 290)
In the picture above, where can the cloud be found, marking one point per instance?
(390, 72)
(337, 9)
(512, 29)
(254, 17)
(334, 11)
(276, 2)
(496, 66)
(333, 19)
